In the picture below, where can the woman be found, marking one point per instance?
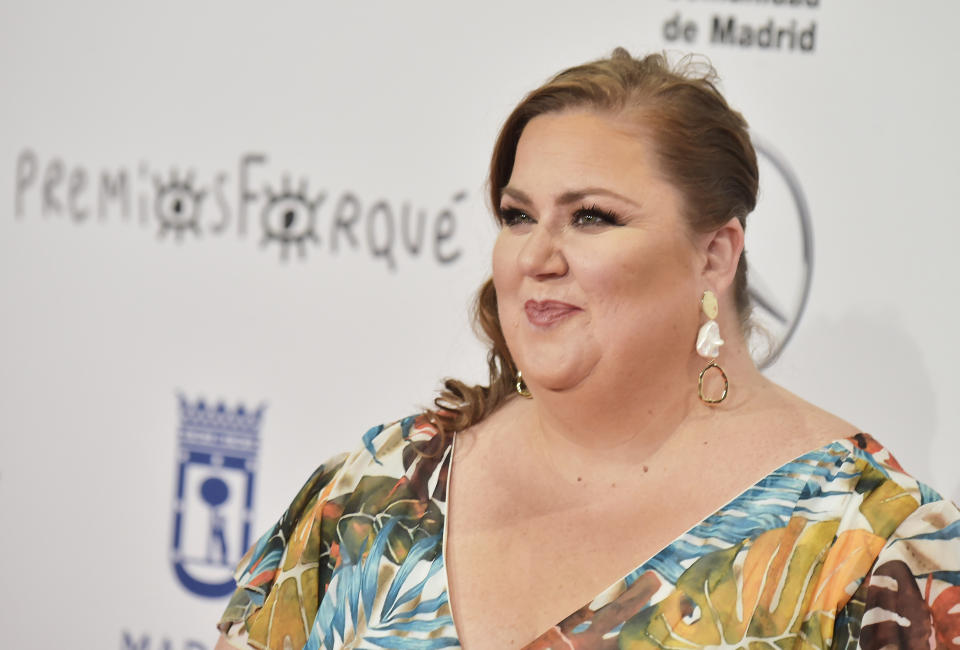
(628, 478)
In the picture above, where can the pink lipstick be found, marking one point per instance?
(544, 313)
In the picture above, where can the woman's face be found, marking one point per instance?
(595, 270)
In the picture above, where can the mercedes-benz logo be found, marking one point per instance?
(780, 247)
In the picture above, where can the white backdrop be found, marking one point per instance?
(159, 160)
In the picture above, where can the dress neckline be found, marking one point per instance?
(811, 459)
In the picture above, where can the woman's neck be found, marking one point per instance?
(607, 421)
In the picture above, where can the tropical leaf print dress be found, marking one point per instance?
(836, 549)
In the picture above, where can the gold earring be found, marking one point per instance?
(708, 346)
(726, 384)
(522, 387)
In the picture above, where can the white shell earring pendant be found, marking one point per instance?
(708, 339)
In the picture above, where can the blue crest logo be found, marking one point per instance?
(213, 509)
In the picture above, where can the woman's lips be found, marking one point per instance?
(547, 312)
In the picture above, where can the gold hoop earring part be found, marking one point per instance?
(726, 384)
(522, 387)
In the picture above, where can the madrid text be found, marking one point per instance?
(131, 641)
(734, 31)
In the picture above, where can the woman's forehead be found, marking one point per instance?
(573, 150)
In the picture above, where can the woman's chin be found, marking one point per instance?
(557, 381)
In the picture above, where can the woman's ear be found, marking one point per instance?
(721, 254)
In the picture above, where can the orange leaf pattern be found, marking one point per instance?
(838, 548)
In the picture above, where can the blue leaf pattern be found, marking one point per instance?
(380, 582)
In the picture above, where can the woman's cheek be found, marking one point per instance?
(504, 263)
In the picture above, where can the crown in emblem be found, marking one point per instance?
(218, 426)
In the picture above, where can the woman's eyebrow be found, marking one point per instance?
(570, 196)
(575, 196)
(515, 194)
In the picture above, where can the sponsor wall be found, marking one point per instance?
(234, 237)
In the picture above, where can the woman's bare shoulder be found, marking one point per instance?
(807, 423)
(506, 416)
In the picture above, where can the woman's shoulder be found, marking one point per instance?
(878, 462)
(800, 419)
(851, 472)
(859, 483)
(384, 451)
(910, 596)
(395, 469)
(878, 466)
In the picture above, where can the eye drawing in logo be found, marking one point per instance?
(213, 510)
(177, 205)
(780, 255)
(290, 218)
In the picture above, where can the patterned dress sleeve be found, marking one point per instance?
(281, 578)
(911, 596)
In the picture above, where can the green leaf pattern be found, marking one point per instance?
(837, 549)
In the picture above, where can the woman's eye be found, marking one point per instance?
(587, 219)
(594, 217)
(514, 217)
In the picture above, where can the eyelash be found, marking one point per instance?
(514, 217)
(606, 217)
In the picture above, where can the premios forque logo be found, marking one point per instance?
(780, 255)
(286, 218)
(213, 507)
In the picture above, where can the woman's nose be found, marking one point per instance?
(542, 255)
